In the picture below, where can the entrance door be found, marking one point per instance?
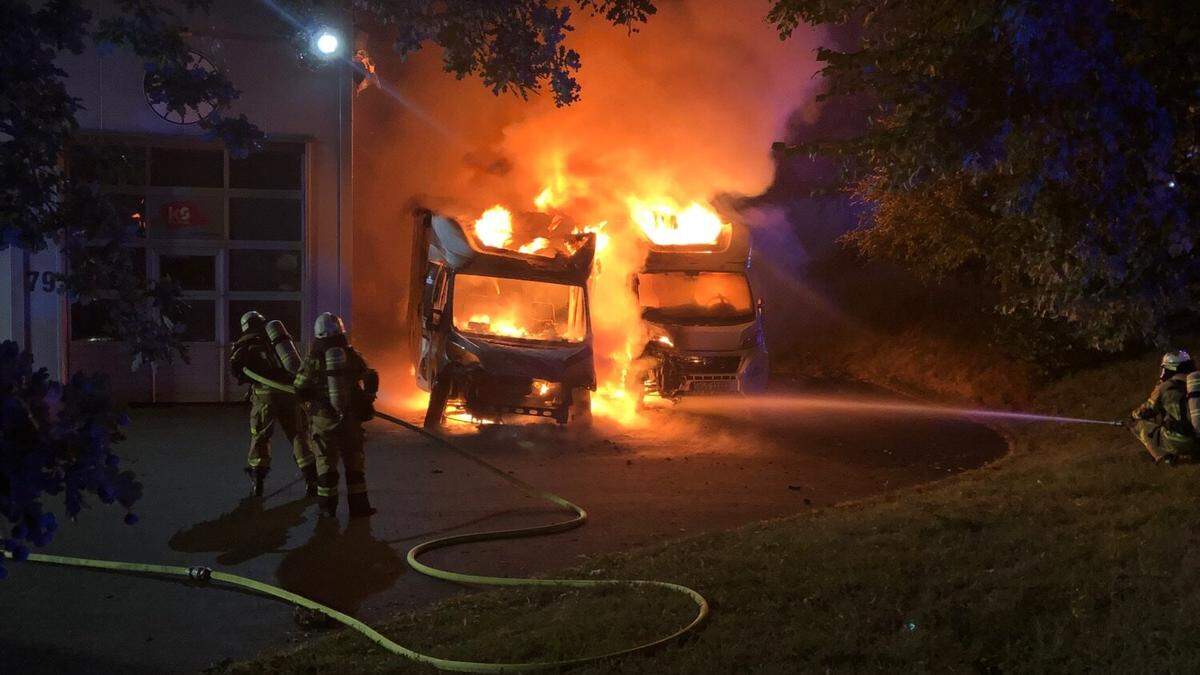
(200, 272)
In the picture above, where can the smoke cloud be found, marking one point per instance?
(686, 107)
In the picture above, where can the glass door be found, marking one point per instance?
(200, 274)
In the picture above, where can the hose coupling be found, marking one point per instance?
(200, 574)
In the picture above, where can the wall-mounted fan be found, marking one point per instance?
(189, 114)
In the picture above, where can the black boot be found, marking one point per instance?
(310, 480)
(257, 475)
(327, 506)
(360, 506)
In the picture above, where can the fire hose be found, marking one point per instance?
(202, 574)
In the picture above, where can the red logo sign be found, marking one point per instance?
(182, 214)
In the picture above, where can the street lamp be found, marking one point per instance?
(327, 42)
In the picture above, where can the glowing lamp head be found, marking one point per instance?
(327, 42)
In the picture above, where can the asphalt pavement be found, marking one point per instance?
(680, 474)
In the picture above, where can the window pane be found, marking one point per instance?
(517, 308)
(187, 167)
(264, 270)
(193, 272)
(108, 164)
(264, 219)
(90, 321)
(279, 167)
(287, 311)
(200, 320)
(694, 296)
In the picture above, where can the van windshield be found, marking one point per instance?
(695, 297)
(519, 309)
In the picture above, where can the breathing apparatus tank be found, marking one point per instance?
(341, 387)
(285, 348)
(1193, 400)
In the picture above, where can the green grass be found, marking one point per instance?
(1072, 553)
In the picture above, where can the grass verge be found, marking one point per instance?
(1072, 553)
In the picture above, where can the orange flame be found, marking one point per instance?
(538, 245)
(506, 326)
(561, 186)
(621, 248)
(494, 228)
(665, 224)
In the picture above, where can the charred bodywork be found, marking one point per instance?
(504, 332)
(704, 323)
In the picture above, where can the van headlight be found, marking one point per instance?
(749, 337)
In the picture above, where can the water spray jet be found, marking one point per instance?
(799, 403)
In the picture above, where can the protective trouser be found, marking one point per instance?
(1162, 442)
(267, 409)
(339, 443)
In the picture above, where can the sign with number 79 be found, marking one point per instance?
(50, 281)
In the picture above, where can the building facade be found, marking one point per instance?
(270, 232)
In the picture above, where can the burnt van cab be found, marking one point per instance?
(504, 333)
(702, 318)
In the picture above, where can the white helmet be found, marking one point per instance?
(329, 325)
(252, 320)
(1171, 361)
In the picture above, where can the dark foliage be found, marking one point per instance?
(1044, 149)
(55, 439)
(513, 46)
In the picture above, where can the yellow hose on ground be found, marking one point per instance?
(204, 574)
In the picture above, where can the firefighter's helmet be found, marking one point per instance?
(253, 321)
(1172, 361)
(329, 325)
(1175, 363)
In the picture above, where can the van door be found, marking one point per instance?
(433, 309)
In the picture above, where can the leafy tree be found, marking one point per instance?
(54, 439)
(513, 46)
(57, 437)
(1045, 149)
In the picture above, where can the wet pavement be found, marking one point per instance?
(681, 473)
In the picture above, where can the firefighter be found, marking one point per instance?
(1162, 423)
(339, 392)
(269, 406)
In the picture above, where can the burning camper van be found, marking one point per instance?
(504, 332)
(703, 321)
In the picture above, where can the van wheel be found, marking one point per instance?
(438, 394)
(581, 408)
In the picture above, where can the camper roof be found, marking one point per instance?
(730, 255)
(463, 252)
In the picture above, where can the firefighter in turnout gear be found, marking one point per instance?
(1164, 423)
(269, 407)
(338, 389)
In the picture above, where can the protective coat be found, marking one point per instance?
(1163, 423)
